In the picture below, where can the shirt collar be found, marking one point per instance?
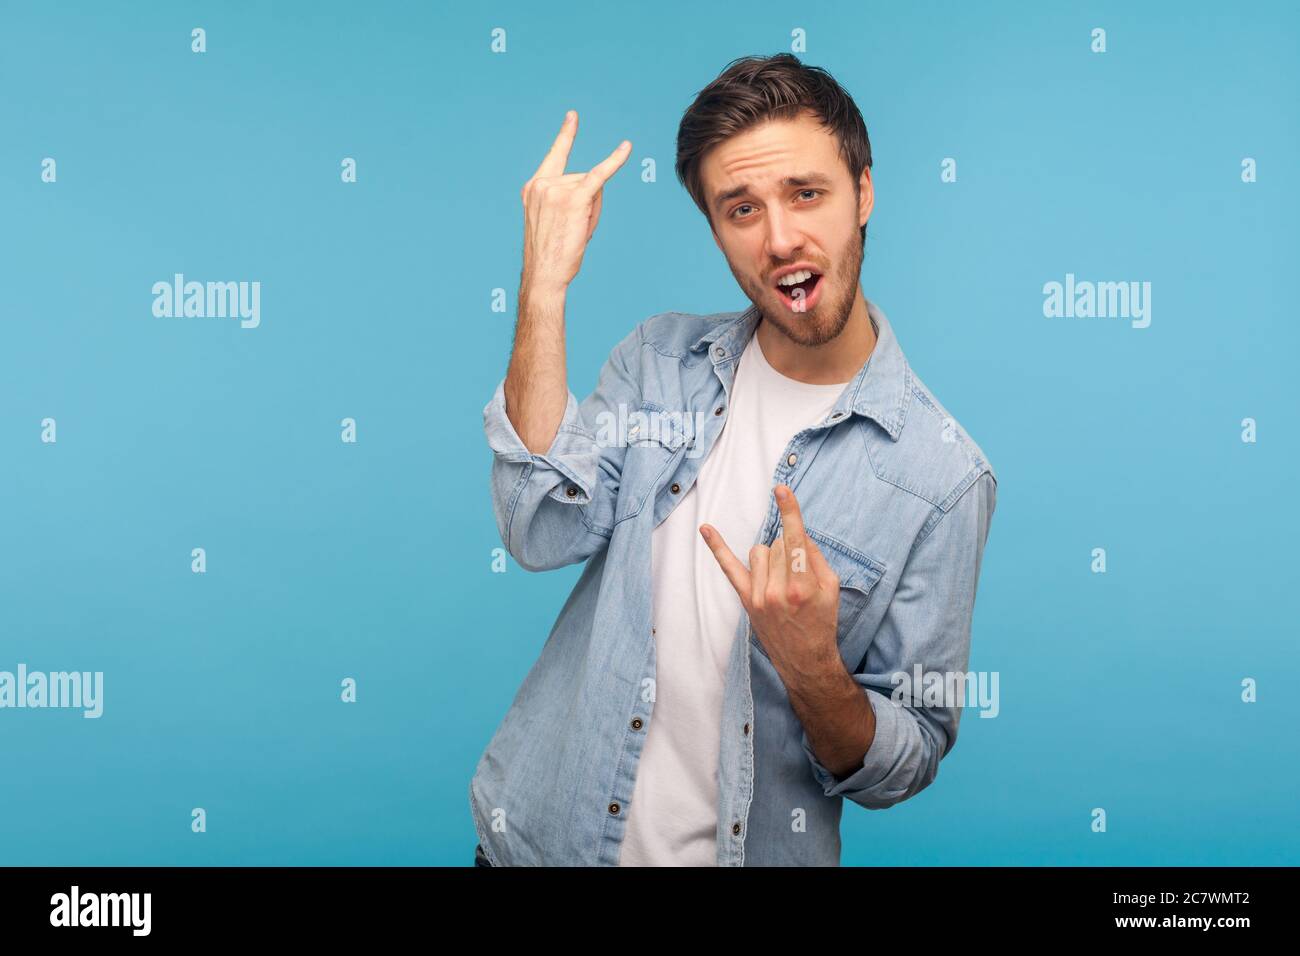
(878, 391)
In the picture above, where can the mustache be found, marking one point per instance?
(826, 272)
(820, 269)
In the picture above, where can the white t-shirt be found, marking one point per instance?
(673, 814)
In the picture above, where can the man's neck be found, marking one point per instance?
(837, 361)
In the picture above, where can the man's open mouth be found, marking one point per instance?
(798, 285)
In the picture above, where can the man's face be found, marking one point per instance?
(779, 197)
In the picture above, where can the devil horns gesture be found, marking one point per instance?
(789, 591)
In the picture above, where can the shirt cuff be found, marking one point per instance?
(570, 456)
(890, 755)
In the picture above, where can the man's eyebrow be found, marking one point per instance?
(802, 181)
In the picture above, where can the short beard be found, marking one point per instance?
(829, 317)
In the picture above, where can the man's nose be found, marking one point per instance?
(783, 236)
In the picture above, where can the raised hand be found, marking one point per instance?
(561, 211)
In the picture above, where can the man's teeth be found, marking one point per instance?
(795, 277)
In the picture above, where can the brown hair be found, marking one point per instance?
(754, 89)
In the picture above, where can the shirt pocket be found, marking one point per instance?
(858, 573)
(653, 437)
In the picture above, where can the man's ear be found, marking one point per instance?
(866, 196)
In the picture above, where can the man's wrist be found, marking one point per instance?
(542, 292)
(820, 675)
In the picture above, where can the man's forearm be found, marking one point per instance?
(560, 214)
(536, 386)
(835, 714)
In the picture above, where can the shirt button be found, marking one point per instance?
(571, 491)
(719, 351)
(613, 808)
(735, 828)
(747, 730)
(718, 410)
(676, 487)
(792, 459)
(636, 723)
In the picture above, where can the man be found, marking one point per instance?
(690, 706)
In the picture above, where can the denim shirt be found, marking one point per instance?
(893, 491)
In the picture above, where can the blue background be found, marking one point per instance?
(373, 560)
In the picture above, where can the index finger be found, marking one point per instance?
(558, 157)
(607, 167)
(731, 566)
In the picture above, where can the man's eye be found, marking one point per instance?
(815, 192)
(738, 208)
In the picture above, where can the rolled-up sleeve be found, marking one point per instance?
(558, 508)
(928, 622)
